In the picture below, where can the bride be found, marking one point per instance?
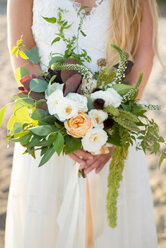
(50, 206)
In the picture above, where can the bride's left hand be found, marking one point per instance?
(98, 162)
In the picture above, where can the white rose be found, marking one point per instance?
(66, 109)
(115, 98)
(80, 100)
(94, 139)
(97, 117)
(53, 101)
(110, 96)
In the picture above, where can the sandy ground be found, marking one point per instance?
(155, 93)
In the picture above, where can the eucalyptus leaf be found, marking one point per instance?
(33, 55)
(38, 85)
(38, 114)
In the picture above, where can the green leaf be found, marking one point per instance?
(38, 114)
(122, 89)
(17, 128)
(38, 85)
(47, 155)
(50, 138)
(35, 140)
(42, 130)
(50, 20)
(90, 103)
(57, 59)
(24, 100)
(2, 113)
(24, 140)
(71, 144)
(55, 40)
(59, 142)
(139, 80)
(33, 55)
(20, 73)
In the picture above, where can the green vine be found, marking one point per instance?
(115, 177)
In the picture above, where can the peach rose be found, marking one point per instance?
(79, 125)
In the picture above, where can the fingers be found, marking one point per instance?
(94, 165)
(84, 155)
(77, 159)
(100, 167)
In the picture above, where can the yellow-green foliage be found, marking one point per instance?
(128, 116)
(111, 110)
(114, 179)
(106, 76)
(130, 125)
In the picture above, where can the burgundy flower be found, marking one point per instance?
(99, 103)
(108, 123)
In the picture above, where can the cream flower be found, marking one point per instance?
(80, 100)
(79, 125)
(98, 116)
(66, 109)
(53, 101)
(115, 98)
(94, 140)
(110, 96)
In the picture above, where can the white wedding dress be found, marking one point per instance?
(47, 205)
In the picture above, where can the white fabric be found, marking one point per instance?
(46, 206)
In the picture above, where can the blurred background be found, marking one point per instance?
(155, 92)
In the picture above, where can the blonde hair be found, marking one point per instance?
(125, 19)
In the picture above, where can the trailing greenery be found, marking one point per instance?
(115, 177)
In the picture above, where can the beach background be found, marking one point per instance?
(155, 92)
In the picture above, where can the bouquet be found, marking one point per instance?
(68, 107)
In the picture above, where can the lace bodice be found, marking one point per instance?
(95, 26)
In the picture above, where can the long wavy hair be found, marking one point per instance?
(125, 19)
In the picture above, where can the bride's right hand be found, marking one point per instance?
(82, 157)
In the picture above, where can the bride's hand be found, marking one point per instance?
(82, 157)
(99, 161)
(90, 162)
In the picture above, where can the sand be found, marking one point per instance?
(155, 92)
